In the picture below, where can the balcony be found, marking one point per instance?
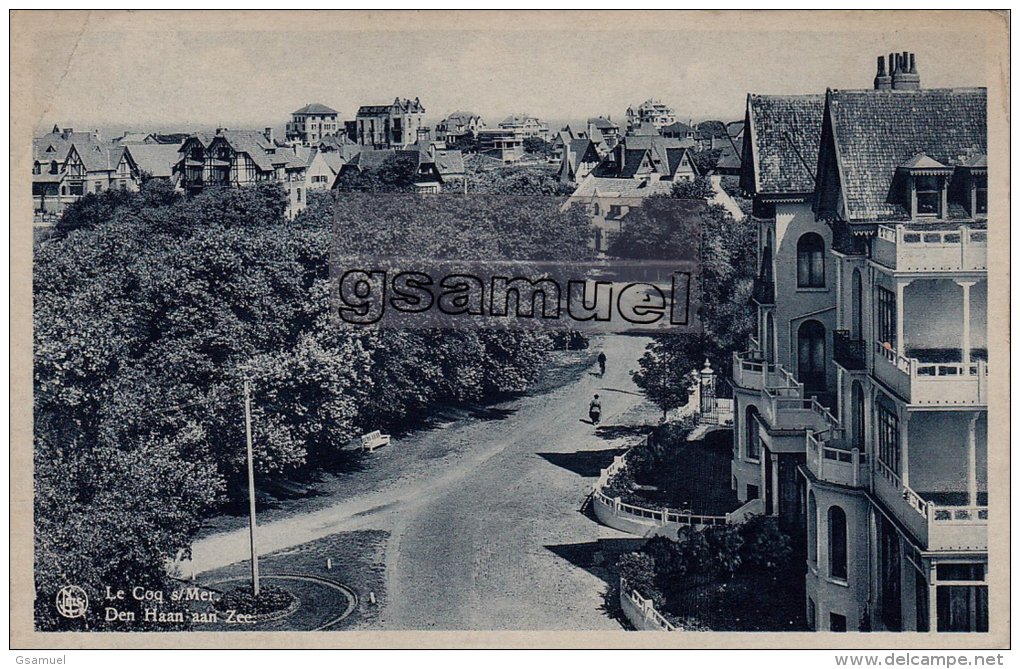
(763, 291)
(848, 353)
(939, 527)
(751, 372)
(932, 383)
(829, 459)
(955, 250)
(786, 409)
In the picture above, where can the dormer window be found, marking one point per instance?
(928, 195)
(979, 195)
(925, 180)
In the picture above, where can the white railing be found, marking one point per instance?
(933, 383)
(663, 516)
(829, 460)
(959, 249)
(752, 372)
(946, 525)
(646, 608)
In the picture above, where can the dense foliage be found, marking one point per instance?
(150, 311)
(698, 188)
(719, 552)
(727, 272)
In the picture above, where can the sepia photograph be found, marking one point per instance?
(383, 325)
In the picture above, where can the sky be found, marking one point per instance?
(188, 79)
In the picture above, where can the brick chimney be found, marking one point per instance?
(269, 135)
(883, 81)
(905, 76)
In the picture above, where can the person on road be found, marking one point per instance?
(602, 364)
(595, 410)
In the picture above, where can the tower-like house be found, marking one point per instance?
(892, 490)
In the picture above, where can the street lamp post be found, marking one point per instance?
(251, 490)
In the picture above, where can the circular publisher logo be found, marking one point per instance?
(72, 602)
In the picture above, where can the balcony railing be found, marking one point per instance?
(932, 383)
(829, 459)
(848, 353)
(752, 372)
(763, 291)
(788, 409)
(938, 527)
(960, 249)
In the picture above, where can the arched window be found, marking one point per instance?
(812, 528)
(811, 261)
(752, 438)
(837, 543)
(856, 306)
(857, 412)
(811, 355)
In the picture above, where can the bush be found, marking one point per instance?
(668, 556)
(699, 188)
(694, 550)
(638, 569)
(723, 543)
(271, 599)
(765, 546)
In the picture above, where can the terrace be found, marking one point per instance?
(932, 381)
(829, 458)
(940, 520)
(903, 248)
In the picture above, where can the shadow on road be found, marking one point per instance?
(597, 557)
(610, 432)
(584, 463)
(625, 392)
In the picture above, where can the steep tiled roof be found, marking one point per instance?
(55, 145)
(316, 108)
(156, 159)
(463, 117)
(593, 185)
(603, 123)
(877, 131)
(448, 161)
(785, 131)
(99, 157)
(675, 156)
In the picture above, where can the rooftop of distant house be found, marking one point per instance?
(315, 108)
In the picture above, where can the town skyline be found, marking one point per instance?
(702, 75)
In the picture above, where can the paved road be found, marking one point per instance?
(477, 539)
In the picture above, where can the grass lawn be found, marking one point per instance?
(357, 562)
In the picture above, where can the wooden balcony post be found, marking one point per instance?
(900, 345)
(965, 344)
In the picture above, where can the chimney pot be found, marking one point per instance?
(883, 82)
(913, 65)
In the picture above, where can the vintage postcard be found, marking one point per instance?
(510, 329)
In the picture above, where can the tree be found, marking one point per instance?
(531, 181)
(660, 229)
(394, 175)
(727, 271)
(466, 143)
(765, 545)
(538, 146)
(707, 160)
(698, 188)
